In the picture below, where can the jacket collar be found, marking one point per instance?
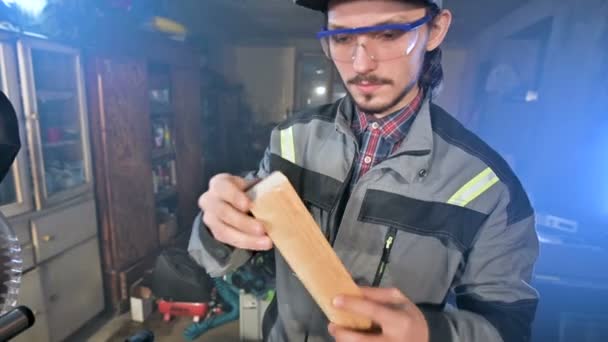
(412, 160)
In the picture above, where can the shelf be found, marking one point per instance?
(61, 143)
(54, 95)
(160, 154)
(165, 194)
(161, 113)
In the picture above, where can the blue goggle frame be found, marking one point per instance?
(401, 27)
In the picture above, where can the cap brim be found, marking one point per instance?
(317, 5)
(321, 5)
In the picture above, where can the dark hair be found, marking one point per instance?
(431, 77)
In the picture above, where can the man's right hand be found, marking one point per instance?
(225, 209)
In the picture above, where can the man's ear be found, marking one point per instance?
(439, 28)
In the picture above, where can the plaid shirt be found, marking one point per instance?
(379, 138)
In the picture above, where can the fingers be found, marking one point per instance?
(390, 296)
(234, 237)
(346, 335)
(377, 304)
(226, 213)
(365, 308)
(236, 219)
(230, 189)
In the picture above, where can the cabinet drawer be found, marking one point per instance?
(63, 229)
(30, 295)
(27, 253)
(73, 288)
(21, 228)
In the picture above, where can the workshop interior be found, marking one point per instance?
(115, 114)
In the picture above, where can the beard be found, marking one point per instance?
(364, 105)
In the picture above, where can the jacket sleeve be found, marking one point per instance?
(216, 257)
(495, 301)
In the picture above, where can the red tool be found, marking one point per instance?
(196, 310)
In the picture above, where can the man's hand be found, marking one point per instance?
(397, 318)
(226, 207)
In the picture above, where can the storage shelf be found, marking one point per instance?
(54, 95)
(61, 144)
(166, 194)
(161, 112)
(161, 154)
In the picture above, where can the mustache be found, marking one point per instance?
(373, 79)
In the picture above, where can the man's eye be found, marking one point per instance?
(390, 34)
(341, 38)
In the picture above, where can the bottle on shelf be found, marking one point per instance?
(167, 136)
(173, 173)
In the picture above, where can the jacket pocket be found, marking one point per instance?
(424, 243)
(455, 227)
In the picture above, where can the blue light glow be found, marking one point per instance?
(33, 7)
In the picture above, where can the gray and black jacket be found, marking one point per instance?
(443, 219)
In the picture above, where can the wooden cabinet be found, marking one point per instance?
(121, 144)
(15, 189)
(55, 110)
(134, 98)
(30, 295)
(187, 104)
(63, 229)
(74, 291)
(121, 141)
(48, 197)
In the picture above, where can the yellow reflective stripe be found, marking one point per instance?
(474, 188)
(288, 150)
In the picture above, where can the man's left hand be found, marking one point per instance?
(397, 318)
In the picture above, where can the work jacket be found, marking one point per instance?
(444, 219)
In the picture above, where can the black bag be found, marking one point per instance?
(177, 277)
(9, 135)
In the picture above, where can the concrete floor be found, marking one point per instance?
(122, 327)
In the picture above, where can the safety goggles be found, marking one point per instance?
(381, 42)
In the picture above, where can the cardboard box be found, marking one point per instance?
(167, 229)
(142, 302)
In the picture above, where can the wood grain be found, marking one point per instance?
(300, 241)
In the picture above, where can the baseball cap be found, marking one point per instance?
(321, 5)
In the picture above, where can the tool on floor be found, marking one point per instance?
(169, 309)
(217, 316)
(141, 336)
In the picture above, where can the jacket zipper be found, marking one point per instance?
(389, 242)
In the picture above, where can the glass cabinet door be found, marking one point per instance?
(56, 111)
(14, 189)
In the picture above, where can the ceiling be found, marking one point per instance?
(278, 20)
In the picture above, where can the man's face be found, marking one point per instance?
(379, 87)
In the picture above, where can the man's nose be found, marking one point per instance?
(363, 62)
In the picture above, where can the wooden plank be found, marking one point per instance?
(300, 241)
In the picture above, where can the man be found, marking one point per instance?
(418, 208)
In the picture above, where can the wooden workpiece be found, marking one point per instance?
(299, 239)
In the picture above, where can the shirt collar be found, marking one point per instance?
(393, 127)
(416, 148)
